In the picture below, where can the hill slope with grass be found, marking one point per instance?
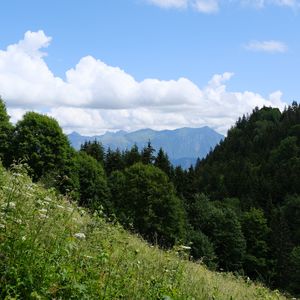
(52, 249)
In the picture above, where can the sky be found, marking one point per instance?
(99, 65)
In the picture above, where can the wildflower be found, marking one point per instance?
(43, 216)
(48, 199)
(12, 205)
(2, 226)
(8, 188)
(185, 247)
(18, 221)
(29, 187)
(43, 210)
(80, 235)
(24, 238)
(17, 175)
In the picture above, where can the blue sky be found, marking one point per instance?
(148, 63)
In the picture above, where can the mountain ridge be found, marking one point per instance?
(183, 145)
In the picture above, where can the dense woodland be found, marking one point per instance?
(238, 209)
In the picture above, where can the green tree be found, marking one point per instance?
(113, 161)
(256, 232)
(6, 130)
(222, 227)
(148, 154)
(202, 248)
(149, 202)
(40, 141)
(294, 277)
(94, 149)
(162, 161)
(132, 156)
(281, 247)
(94, 191)
(291, 211)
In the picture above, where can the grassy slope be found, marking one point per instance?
(41, 257)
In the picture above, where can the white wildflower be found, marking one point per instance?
(80, 235)
(17, 175)
(43, 216)
(8, 188)
(43, 210)
(185, 247)
(48, 199)
(18, 221)
(24, 238)
(2, 226)
(12, 205)
(29, 187)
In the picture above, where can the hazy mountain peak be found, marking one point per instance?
(183, 145)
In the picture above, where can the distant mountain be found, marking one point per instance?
(183, 145)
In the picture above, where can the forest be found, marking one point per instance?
(238, 209)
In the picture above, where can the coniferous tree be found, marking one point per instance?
(162, 161)
(148, 154)
(113, 161)
(132, 156)
(94, 149)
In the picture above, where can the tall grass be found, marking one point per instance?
(52, 249)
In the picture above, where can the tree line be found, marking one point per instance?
(238, 208)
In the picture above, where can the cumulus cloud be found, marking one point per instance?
(267, 46)
(95, 97)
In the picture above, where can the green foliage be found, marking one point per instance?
(53, 249)
(203, 249)
(256, 232)
(295, 271)
(162, 161)
(40, 141)
(148, 154)
(291, 211)
(94, 192)
(145, 199)
(94, 149)
(6, 129)
(222, 226)
(113, 161)
(132, 156)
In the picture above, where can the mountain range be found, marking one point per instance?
(183, 145)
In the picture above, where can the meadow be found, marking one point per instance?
(50, 248)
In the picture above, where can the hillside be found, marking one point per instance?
(183, 145)
(52, 249)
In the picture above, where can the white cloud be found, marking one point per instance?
(170, 3)
(267, 46)
(206, 6)
(212, 6)
(96, 97)
(263, 3)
